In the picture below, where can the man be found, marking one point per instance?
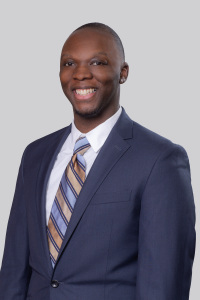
(103, 208)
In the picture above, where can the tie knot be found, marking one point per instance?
(81, 145)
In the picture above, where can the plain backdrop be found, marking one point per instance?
(161, 41)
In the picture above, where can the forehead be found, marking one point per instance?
(88, 41)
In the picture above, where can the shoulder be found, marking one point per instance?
(141, 137)
(49, 137)
(158, 157)
(151, 142)
(40, 145)
(148, 147)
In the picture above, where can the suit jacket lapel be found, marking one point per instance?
(114, 147)
(48, 160)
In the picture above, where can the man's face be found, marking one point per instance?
(90, 72)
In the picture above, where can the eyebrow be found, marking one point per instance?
(102, 53)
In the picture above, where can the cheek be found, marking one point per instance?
(107, 76)
(64, 77)
(107, 82)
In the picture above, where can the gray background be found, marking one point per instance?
(161, 40)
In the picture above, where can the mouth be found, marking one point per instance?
(84, 93)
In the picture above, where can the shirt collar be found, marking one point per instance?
(97, 136)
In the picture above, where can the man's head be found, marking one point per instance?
(92, 68)
(105, 28)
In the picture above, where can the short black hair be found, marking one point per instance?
(105, 28)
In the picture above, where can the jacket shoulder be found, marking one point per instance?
(39, 146)
(151, 142)
(47, 138)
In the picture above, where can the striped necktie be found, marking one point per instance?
(66, 196)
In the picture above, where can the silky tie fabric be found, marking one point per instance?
(66, 196)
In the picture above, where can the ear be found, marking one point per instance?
(124, 73)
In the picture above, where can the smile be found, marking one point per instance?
(85, 91)
(84, 94)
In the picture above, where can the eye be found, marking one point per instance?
(68, 64)
(98, 63)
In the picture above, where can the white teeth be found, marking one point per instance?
(85, 91)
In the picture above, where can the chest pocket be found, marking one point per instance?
(111, 197)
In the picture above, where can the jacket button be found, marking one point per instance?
(54, 283)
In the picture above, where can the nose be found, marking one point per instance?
(82, 73)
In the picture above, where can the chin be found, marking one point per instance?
(87, 113)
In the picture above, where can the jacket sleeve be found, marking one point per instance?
(167, 230)
(15, 271)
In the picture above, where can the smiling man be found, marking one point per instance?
(103, 208)
(91, 70)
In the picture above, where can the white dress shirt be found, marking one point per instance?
(96, 137)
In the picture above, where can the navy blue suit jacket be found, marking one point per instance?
(132, 232)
